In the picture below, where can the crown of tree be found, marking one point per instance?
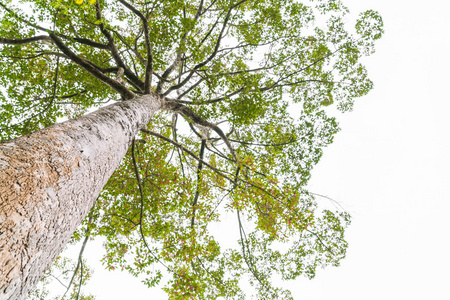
(246, 90)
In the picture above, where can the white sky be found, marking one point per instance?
(389, 167)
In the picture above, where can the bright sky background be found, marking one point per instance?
(389, 167)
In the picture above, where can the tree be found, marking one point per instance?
(225, 105)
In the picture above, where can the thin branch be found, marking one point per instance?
(235, 184)
(211, 56)
(210, 30)
(24, 20)
(209, 7)
(265, 145)
(55, 81)
(18, 41)
(87, 42)
(79, 40)
(81, 281)
(141, 193)
(221, 173)
(80, 257)
(321, 242)
(174, 133)
(122, 217)
(250, 264)
(35, 56)
(148, 45)
(138, 54)
(190, 89)
(58, 279)
(335, 203)
(122, 39)
(276, 84)
(199, 179)
(141, 214)
(113, 49)
(218, 99)
(177, 60)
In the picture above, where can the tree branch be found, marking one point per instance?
(191, 115)
(80, 257)
(219, 172)
(88, 66)
(122, 39)
(172, 67)
(34, 56)
(18, 41)
(187, 151)
(138, 178)
(77, 39)
(213, 54)
(115, 53)
(148, 45)
(199, 178)
(247, 259)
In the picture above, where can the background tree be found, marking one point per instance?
(244, 87)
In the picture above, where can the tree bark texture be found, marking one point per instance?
(50, 179)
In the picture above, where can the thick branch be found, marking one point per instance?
(124, 91)
(84, 41)
(191, 115)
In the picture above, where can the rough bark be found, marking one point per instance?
(50, 179)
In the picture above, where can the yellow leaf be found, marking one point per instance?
(92, 1)
(78, 1)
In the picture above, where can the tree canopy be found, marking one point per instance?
(247, 87)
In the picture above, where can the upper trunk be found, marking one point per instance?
(50, 179)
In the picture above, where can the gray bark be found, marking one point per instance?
(50, 179)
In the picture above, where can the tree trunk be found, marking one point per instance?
(50, 179)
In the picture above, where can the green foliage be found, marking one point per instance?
(267, 72)
(61, 274)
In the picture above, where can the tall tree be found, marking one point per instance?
(224, 104)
